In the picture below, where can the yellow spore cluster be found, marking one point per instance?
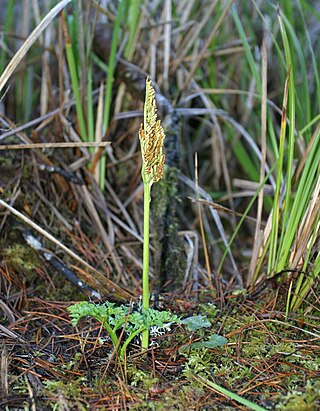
(151, 137)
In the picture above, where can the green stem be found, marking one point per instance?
(129, 339)
(112, 334)
(145, 273)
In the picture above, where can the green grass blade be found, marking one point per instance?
(73, 70)
(304, 191)
(298, 65)
(310, 124)
(307, 282)
(73, 29)
(6, 29)
(245, 160)
(276, 200)
(308, 6)
(229, 394)
(311, 50)
(243, 218)
(247, 48)
(75, 88)
(90, 107)
(289, 150)
(133, 14)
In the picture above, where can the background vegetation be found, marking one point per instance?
(235, 220)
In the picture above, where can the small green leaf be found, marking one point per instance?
(214, 341)
(196, 322)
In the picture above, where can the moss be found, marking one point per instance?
(21, 258)
(65, 395)
(139, 378)
(70, 291)
(170, 258)
(184, 397)
(302, 400)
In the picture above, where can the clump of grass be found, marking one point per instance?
(109, 82)
(73, 65)
(79, 58)
(287, 243)
(296, 212)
